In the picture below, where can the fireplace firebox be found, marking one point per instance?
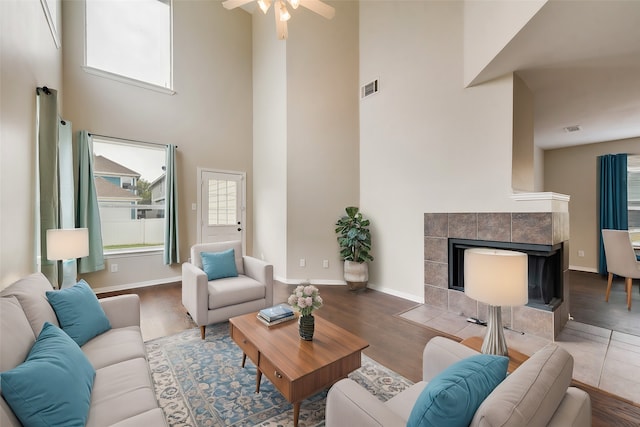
(544, 262)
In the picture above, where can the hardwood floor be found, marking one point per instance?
(393, 341)
(587, 304)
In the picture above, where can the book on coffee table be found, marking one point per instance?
(276, 312)
(275, 322)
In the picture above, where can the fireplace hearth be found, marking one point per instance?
(544, 265)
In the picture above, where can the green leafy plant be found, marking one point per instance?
(354, 236)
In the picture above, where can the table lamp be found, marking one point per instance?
(497, 278)
(65, 244)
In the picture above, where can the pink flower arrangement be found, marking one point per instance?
(305, 299)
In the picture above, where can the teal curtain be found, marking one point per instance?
(171, 237)
(613, 208)
(67, 275)
(87, 212)
(47, 213)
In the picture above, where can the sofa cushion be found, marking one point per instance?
(531, 394)
(402, 403)
(121, 391)
(16, 335)
(53, 386)
(154, 417)
(79, 312)
(453, 396)
(218, 265)
(30, 292)
(234, 290)
(114, 346)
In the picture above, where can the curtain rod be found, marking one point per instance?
(43, 89)
(128, 140)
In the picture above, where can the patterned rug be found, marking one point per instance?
(201, 383)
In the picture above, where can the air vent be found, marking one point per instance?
(575, 128)
(369, 89)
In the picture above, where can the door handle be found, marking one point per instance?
(239, 229)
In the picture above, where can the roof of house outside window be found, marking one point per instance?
(105, 166)
(109, 191)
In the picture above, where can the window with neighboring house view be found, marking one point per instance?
(130, 39)
(129, 181)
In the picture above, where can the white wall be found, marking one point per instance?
(270, 143)
(427, 144)
(488, 28)
(28, 59)
(305, 139)
(323, 137)
(209, 117)
(523, 174)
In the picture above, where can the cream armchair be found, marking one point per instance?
(538, 393)
(218, 300)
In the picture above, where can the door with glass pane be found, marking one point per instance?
(222, 206)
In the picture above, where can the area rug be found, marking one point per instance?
(201, 383)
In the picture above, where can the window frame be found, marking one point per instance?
(130, 80)
(143, 145)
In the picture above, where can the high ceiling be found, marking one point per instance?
(581, 60)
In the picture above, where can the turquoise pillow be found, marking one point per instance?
(79, 313)
(452, 397)
(53, 386)
(219, 265)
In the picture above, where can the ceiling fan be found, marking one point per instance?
(281, 12)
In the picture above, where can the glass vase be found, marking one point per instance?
(306, 326)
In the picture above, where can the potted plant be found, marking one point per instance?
(354, 239)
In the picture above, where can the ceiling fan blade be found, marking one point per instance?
(318, 7)
(282, 31)
(232, 4)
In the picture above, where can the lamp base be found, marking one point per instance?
(494, 342)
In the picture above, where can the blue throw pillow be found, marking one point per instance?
(453, 396)
(218, 265)
(53, 386)
(79, 312)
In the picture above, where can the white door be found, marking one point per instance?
(222, 206)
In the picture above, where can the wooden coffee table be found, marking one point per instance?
(297, 368)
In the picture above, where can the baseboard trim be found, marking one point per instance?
(585, 269)
(115, 288)
(395, 293)
(313, 282)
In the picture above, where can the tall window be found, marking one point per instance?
(130, 38)
(130, 182)
(633, 191)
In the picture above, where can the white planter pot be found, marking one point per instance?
(356, 275)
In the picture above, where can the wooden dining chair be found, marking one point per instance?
(621, 260)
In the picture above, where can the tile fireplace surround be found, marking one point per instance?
(545, 228)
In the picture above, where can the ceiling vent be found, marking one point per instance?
(369, 89)
(576, 128)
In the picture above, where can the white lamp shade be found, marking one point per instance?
(496, 277)
(67, 243)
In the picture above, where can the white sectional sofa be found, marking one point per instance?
(122, 393)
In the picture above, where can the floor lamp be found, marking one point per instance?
(66, 244)
(497, 278)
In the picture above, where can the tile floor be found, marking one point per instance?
(603, 358)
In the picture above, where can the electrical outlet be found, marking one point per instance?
(114, 268)
(303, 262)
(580, 253)
(325, 263)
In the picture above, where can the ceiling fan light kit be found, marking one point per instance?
(282, 14)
